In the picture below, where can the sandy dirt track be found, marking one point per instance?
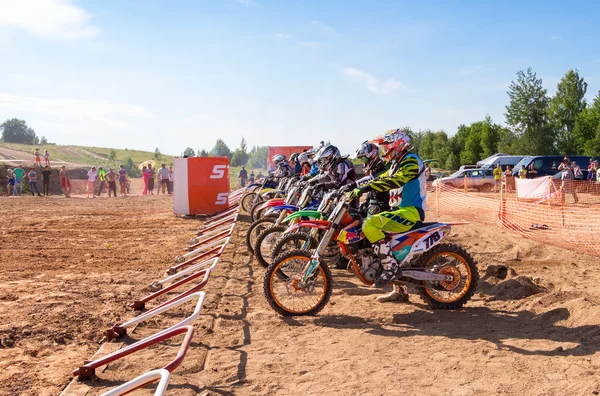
(533, 329)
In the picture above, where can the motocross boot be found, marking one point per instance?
(398, 294)
(391, 268)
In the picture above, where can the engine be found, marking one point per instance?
(370, 266)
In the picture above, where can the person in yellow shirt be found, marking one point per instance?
(497, 177)
(522, 172)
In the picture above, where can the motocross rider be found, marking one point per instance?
(373, 166)
(336, 171)
(282, 167)
(406, 171)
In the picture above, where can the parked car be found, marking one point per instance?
(504, 161)
(479, 179)
(547, 165)
(465, 167)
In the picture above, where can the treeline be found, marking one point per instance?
(536, 124)
(256, 157)
(17, 131)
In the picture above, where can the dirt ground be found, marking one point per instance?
(69, 268)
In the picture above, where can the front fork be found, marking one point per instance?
(315, 260)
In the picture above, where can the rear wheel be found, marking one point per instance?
(448, 259)
(265, 241)
(256, 228)
(287, 295)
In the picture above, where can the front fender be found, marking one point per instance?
(320, 224)
(287, 208)
(271, 203)
(311, 214)
(269, 192)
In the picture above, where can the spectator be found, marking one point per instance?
(65, 181)
(163, 177)
(591, 171)
(260, 176)
(37, 157)
(522, 172)
(19, 173)
(46, 180)
(32, 176)
(102, 178)
(111, 178)
(145, 178)
(10, 187)
(508, 179)
(151, 175)
(243, 177)
(532, 172)
(577, 173)
(171, 178)
(123, 180)
(597, 168)
(497, 178)
(427, 172)
(47, 157)
(251, 178)
(92, 174)
(568, 179)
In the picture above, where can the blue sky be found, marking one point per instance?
(172, 74)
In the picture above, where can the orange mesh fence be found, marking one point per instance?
(567, 214)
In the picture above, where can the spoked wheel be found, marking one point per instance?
(264, 243)
(449, 259)
(287, 294)
(248, 201)
(293, 241)
(255, 212)
(256, 228)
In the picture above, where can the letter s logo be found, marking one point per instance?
(222, 198)
(218, 171)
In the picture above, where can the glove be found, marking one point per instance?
(354, 193)
(348, 187)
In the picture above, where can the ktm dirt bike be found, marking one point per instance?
(298, 283)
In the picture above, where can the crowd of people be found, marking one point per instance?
(97, 182)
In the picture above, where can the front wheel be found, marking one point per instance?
(448, 259)
(256, 228)
(248, 201)
(287, 295)
(264, 243)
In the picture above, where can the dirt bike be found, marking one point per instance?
(298, 283)
(255, 193)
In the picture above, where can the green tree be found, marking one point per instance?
(202, 153)
(188, 152)
(112, 155)
(527, 114)
(426, 146)
(157, 154)
(131, 168)
(452, 162)
(220, 149)
(17, 131)
(564, 107)
(43, 140)
(258, 157)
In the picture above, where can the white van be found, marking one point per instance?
(504, 161)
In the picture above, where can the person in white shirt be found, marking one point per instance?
(90, 182)
(163, 179)
(171, 178)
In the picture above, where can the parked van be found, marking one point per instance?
(488, 159)
(547, 165)
(504, 161)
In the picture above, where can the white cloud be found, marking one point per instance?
(248, 3)
(388, 87)
(48, 19)
(282, 36)
(324, 27)
(309, 44)
(87, 111)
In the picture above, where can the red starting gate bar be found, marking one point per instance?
(88, 370)
(217, 251)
